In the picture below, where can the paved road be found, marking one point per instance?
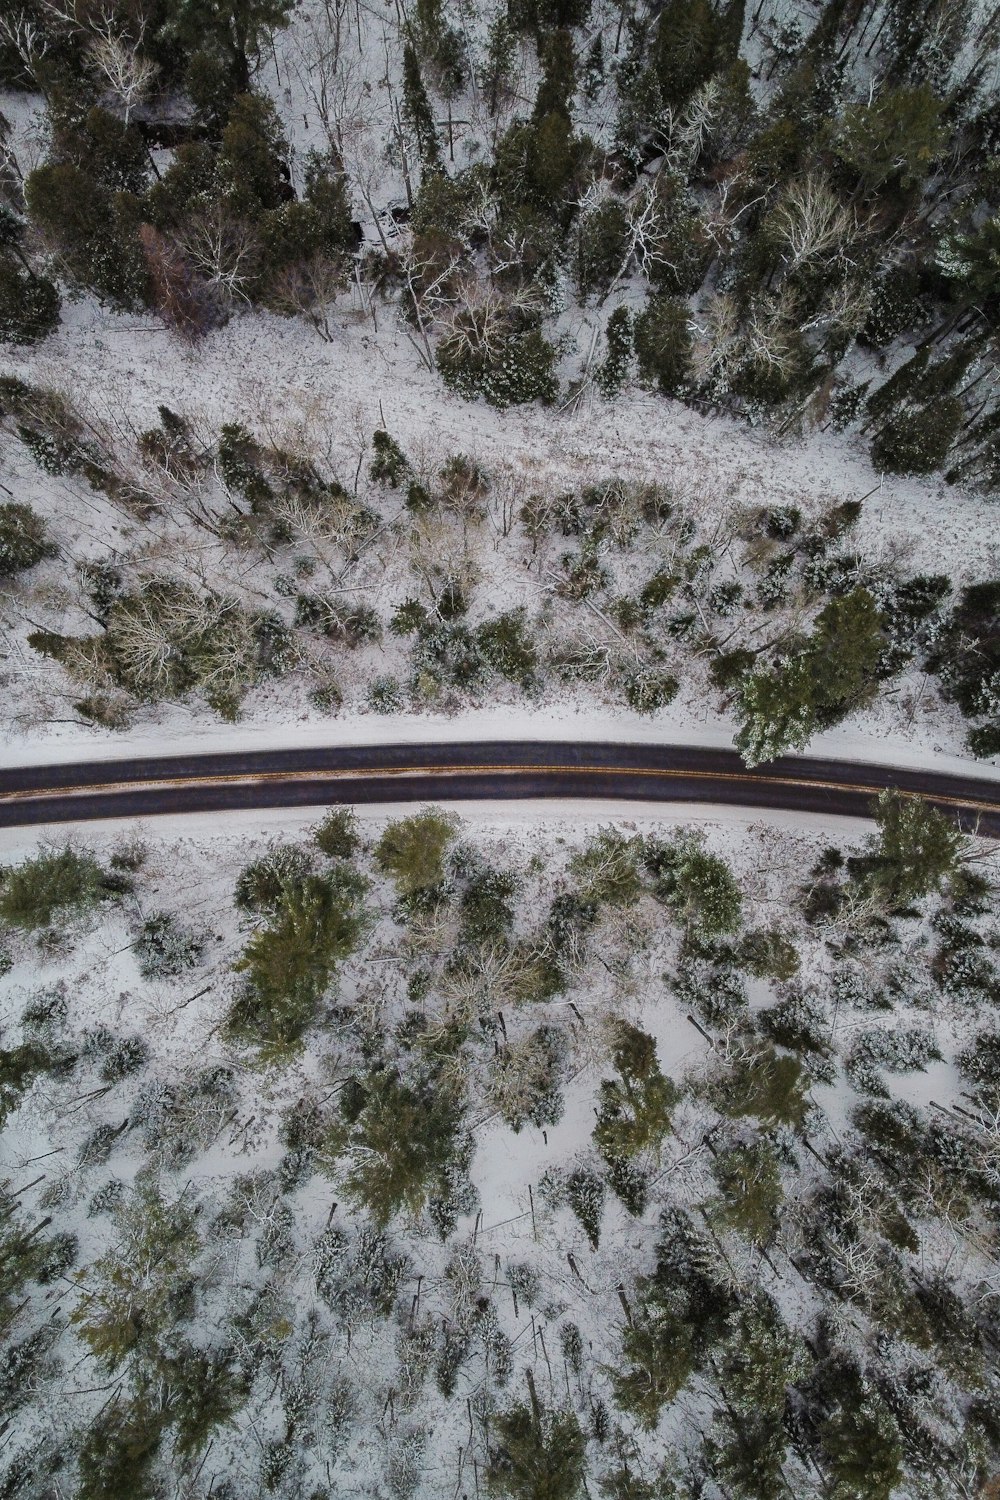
(493, 770)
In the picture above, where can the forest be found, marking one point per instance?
(374, 367)
(420, 1155)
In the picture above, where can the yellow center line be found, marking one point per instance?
(245, 778)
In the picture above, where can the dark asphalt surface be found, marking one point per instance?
(487, 770)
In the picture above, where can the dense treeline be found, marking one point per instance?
(795, 219)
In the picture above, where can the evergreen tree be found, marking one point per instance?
(663, 343)
(613, 371)
(23, 539)
(916, 851)
(417, 109)
(411, 851)
(29, 305)
(862, 1449)
(537, 1453)
(750, 1184)
(635, 1110)
(236, 30)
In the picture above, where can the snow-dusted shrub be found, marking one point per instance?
(385, 694)
(507, 366)
(800, 1022)
(358, 1279)
(405, 1463)
(53, 886)
(775, 582)
(98, 1146)
(23, 539)
(852, 986)
(882, 1049)
(769, 953)
(116, 1055)
(525, 1079)
(980, 1063)
(180, 1119)
(337, 836)
(581, 1190)
(497, 1348)
(714, 992)
(107, 1198)
(647, 690)
(165, 947)
(724, 598)
(525, 1281)
(261, 885)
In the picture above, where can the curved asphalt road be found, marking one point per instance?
(493, 770)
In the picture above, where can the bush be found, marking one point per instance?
(663, 344)
(647, 690)
(337, 836)
(165, 948)
(29, 305)
(769, 954)
(23, 541)
(389, 463)
(54, 883)
(698, 887)
(385, 695)
(506, 370)
(411, 851)
(116, 1055)
(290, 963)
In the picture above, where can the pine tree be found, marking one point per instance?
(537, 1453)
(862, 1449)
(635, 1110)
(916, 851)
(417, 109)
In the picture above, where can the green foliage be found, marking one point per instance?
(751, 1194)
(165, 640)
(862, 1448)
(93, 231)
(917, 850)
(417, 108)
(584, 1192)
(607, 870)
(537, 1453)
(132, 1290)
(29, 305)
(682, 1315)
(507, 365)
(769, 953)
(893, 141)
(917, 440)
(761, 1360)
(663, 343)
(403, 1141)
(411, 851)
(834, 672)
(337, 836)
(289, 964)
(613, 371)
(166, 948)
(764, 1083)
(233, 30)
(698, 887)
(23, 539)
(54, 885)
(635, 1110)
(389, 463)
